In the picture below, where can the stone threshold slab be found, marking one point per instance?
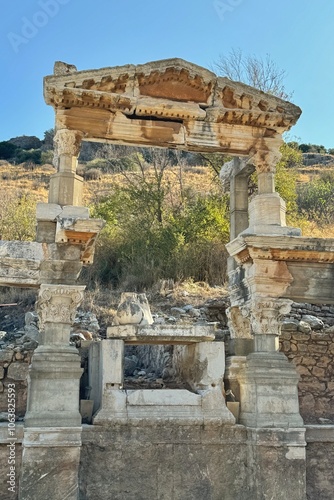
(162, 397)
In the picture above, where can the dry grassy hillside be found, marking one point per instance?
(18, 180)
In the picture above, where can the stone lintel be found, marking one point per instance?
(162, 334)
(296, 268)
(144, 90)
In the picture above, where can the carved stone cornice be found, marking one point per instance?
(58, 303)
(287, 248)
(266, 314)
(169, 102)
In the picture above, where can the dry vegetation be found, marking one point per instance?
(18, 180)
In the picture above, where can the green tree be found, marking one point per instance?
(7, 150)
(32, 156)
(151, 235)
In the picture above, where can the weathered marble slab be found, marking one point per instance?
(162, 334)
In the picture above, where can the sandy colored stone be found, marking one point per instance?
(308, 361)
(18, 371)
(318, 372)
(302, 370)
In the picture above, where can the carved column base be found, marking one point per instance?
(268, 391)
(53, 398)
(66, 189)
(50, 463)
(267, 216)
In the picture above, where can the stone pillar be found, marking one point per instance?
(267, 209)
(240, 345)
(238, 204)
(66, 185)
(110, 379)
(234, 176)
(52, 437)
(268, 384)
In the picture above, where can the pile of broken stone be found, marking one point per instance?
(151, 365)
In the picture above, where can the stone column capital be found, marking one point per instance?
(265, 159)
(58, 303)
(266, 314)
(67, 142)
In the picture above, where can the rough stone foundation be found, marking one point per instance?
(313, 355)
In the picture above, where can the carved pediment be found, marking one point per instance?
(212, 113)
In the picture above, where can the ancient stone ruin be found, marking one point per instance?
(167, 443)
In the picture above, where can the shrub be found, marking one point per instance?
(137, 248)
(46, 157)
(7, 150)
(316, 199)
(92, 174)
(33, 156)
(17, 216)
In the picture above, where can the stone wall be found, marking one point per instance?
(14, 365)
(323, 312)
(313, 355)
(168, 461)
(308, 341)
(319, 463)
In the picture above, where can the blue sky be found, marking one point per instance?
(298, 35)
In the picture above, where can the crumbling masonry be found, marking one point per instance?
(168, 444)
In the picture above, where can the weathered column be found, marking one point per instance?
(270, 409)
(52, 437)
(268, 385)
(66, 185)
